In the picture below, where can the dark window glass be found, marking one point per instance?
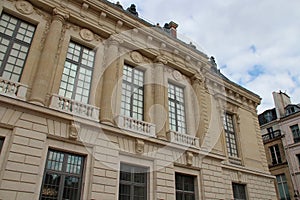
(1, 143)
(185, 187)
(230, 135)
(77, 75)
(239, 191)
(62, 176)
(282, 187)
(15, 40)
(275, 154)
(133, 182)
(296, 133)
(132, 93)
(176, 109)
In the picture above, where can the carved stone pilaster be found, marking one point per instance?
(48, 57)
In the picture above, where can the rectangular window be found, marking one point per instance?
(176, 109)
(298, 158)
(282, 187)
(133, 182)
(1, 143)
(230, 135)
(63, 176)
(296, 133)
(239, 191)
(275, 154)
(77, 75)
(15, 40)
(185, 187)
(132, 100)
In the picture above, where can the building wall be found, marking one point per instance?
(32, 122)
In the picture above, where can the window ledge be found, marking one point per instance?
(74, 107)
(136, 126)
(235, 160)
(183, 139)
(12, 89)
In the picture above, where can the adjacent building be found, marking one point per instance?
(97, 103)
(281, 137)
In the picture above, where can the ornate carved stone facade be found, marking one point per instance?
(70, 100)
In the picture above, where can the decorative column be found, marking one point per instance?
(160, 96)
(201, 114)
(48, 58)
(111, 76)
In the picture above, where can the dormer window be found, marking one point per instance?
(290, 110)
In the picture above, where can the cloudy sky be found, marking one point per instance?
(256, 43)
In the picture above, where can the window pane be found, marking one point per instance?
(185, 188)
(15, 40)
(1, 143)
(176, 108)
(62, 176)
(239, 191)
(230, 135)
(132, 93)
(77, 74)
(133, 182)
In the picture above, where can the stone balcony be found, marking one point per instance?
(78, 109)
(12, 89)
(183, 139)
(136, 126)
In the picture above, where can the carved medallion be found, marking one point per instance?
(24, 7)
(136, 57)
(177, 75)
(86, 34)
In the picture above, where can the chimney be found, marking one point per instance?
(281, 100)
(170, 28)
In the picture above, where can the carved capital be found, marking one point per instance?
(161, 60)
(60, 15)
(24, 7)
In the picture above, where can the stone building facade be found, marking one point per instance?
(97, 103)
(281, 137)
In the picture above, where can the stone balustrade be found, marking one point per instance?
(136, 126)
(74, 107)
(12, 89)
(182, 139)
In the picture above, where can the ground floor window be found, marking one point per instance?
(62, 177)
(239, 191)
(133, 182)
(282, 187)
(185, 186)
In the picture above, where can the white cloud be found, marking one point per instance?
(227, 30)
